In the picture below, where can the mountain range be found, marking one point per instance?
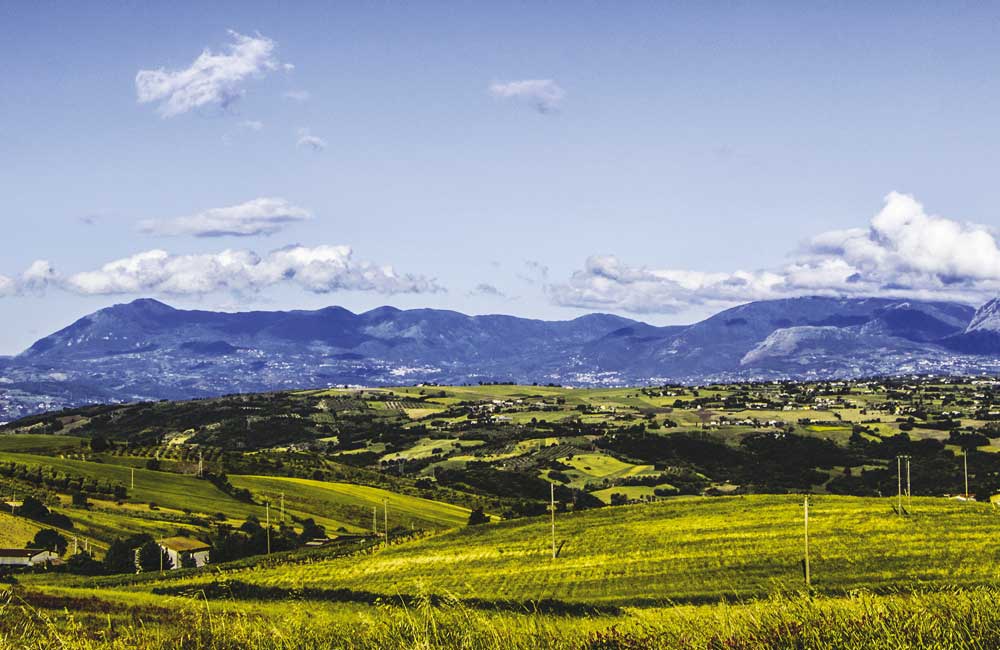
(147, 350)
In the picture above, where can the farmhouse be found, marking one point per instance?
(185, 551)
(26, 556)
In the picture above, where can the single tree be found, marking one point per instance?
(84, 564)
(120, 557)
(477, 516)
(50, 540)
(151, 555)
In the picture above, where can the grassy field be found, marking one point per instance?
(683, 550)
(163, 488)
(350, 506)
(689, 573)
(15, 532)
(26, 442)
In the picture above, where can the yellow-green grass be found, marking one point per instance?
(951, 619)
(418, 413)
(164, 488)
(588, 467)
(103, 526)
(682, 549)
(630, 492)
(16, 532)
(39, 442)
(352, 504)
(425, 447)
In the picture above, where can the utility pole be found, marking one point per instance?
(965, 463)
(908, 483)
(899, 485)
(267, 515)
(282, 507)
(133, 479)
(552, 508)
(375, 521)
(805, 505)
(385, 511)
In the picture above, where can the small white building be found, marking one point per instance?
(179, 548)
(26, 556)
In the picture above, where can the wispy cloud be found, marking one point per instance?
(307, 140)
(318, 269)
(262, 216)
(534, 272)
(545, 95)
(905, 252)
(252, 125)
(213, 79)
(297, 95)
(486, 289)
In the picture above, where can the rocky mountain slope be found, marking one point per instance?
(148, 350)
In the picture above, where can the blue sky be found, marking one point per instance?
(661, 161)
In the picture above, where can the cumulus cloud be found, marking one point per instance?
(545, 95)
(262, 216)
(310, 141)
(35, 279)
(319, 269)
(904, 253)
(213, 79)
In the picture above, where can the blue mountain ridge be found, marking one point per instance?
(146, 349)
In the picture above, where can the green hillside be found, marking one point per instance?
(167, 489)
(683, 550)
(344, 504)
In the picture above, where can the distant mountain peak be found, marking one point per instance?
(987, 318)
(147, 349)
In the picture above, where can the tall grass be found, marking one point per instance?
(945, 619)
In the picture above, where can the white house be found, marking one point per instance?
(26, 556)
(179, 548)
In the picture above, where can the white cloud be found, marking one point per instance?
(904, 253)
(262, 216)
(544, 94)
(297, 95)
(8, 286)
(252, 125)
(319, 269)
(308, 140)
(212, 79)
(35, 279)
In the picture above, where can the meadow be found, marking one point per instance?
(345, 505)
(686, 550)
(689, 573)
